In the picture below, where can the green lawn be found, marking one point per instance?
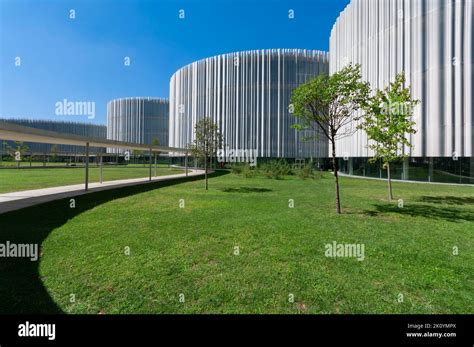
(190, 250)
(12, 180)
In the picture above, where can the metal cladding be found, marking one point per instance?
(248, 95)
(138, 120)
(433, 42)
(83, 129)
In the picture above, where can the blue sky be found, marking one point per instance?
(82, 59)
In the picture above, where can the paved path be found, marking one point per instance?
(17, 200)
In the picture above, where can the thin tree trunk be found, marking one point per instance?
(389, 179)
(336, 176)
(205, 170)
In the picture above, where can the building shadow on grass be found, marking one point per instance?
(21, 287)
(449, 200)
(451, 214)
(246, 190)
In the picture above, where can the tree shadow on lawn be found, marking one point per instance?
(449, 200)
(21, 287)
(428, 211)
(246, 190)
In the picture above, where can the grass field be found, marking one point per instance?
(12, 180)
(190, 252)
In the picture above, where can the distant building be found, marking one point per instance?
(83, 129)
(248, 95)
(140, 120)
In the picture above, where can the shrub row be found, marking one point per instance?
(275, 169)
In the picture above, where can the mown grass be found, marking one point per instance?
(191, 250)
(12, 179)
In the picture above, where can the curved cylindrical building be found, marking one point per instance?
(248, 95)
(138, 120)
(432, 41)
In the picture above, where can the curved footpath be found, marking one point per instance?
(17, 200)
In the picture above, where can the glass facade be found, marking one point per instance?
(444, 170)
(82, 129)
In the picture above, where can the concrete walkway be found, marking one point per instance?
(17, 200)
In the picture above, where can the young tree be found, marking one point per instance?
(387, 121)
(136, 153)
(207, 140)
(327, 105)
(54, 152)
(155, 141)
(16, 152)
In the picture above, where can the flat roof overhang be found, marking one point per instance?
(15, 132)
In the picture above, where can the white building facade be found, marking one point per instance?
(139, 120)
(432, 41)
(248, 95)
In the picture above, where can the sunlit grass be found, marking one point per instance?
(12, 180)
(281, 250)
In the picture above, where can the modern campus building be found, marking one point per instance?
(248, 95)
(82, 129)
(432, 41)
(142, 120)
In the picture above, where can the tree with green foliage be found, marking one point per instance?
(327, 105)
(136, 154)
(54, 152)
(17, 152)
(207, 141)
(155, 142)
(387, 122)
